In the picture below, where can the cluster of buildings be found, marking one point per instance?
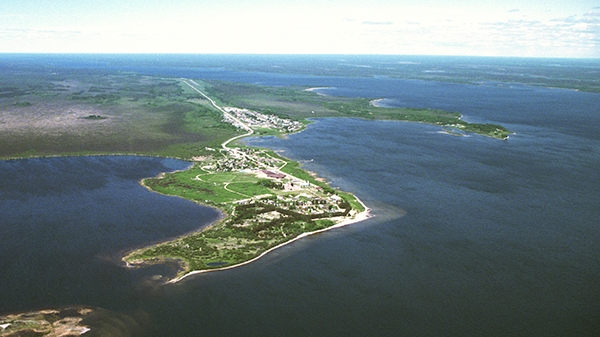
(297, 195)
(231, 164)
(303, 203)
(243, 160)
(255, 119)
(309, 204)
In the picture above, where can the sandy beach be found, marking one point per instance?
(377, 102)
(318, 88)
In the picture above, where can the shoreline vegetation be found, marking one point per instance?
(364, 215)
(300, 103)
(227, 243)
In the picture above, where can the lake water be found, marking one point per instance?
(472, 235)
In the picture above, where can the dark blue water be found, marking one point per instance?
(499, 237)
(472, 235)
(66, 221)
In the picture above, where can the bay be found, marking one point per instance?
(67, 221)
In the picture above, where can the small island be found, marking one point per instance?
(50, 322)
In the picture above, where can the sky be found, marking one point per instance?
(533, 28)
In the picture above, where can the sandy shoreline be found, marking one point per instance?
(377, 102)
(318, 88)
(362, 216)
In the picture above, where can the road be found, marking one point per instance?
(225, 113)
(242, 124)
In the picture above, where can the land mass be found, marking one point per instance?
(50, 323)
(267, 200)
(93, 112)
(300, 103)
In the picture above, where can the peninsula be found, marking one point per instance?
(267, 200)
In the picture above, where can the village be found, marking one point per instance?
(290, 194)
(255, 119)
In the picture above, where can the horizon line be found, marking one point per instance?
(297, 54)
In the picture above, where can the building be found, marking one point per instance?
(274, 175)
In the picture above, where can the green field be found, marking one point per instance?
(208, 188)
